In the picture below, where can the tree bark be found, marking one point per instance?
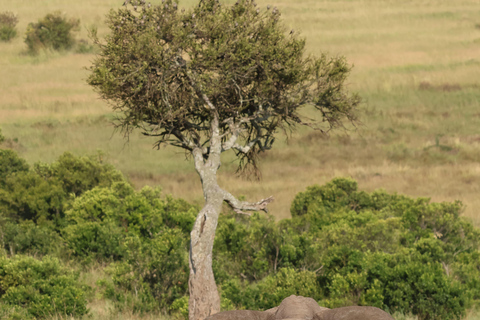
(204, 297)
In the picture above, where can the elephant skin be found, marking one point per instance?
(301, 308)
(293, 307)
(240, 315)
(353, 313)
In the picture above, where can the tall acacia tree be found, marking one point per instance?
(212, 79)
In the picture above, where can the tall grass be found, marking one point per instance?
(416, 66)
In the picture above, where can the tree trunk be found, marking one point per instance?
(204, 297)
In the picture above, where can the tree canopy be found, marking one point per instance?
(172, 72)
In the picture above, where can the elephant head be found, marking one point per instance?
(297, 307)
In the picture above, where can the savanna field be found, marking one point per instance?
(416, 65)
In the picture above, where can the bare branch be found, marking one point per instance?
(187, 143)
(200, 93)
(239, 206)
(235, 130)
(245, 149)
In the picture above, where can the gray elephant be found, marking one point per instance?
(293, 307)
(301, 308)
(353, 313)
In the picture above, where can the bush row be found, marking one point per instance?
(52, 32)
(341, 247)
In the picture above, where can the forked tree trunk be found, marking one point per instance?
(204, 297)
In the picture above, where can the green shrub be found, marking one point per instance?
(270, 292)
(27, 237)
(8, 22)
(245, 246)
(179, 307)
(466, 269)
(28, 196)
(54, 31)
(102, 218)
(153, 274)
(10, 163)
(406, 282)
(78, 174)
(390, 251)
(43, 193)
(342, 246)
(43, 288)
(93, 241)
(9, 312)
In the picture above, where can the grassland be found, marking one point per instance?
(416, 65)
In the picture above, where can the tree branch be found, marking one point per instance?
(238, 206)
(215, 139)
(198, 158)
(189, 144)
(235, 130)
(246, 148)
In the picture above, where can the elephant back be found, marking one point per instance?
(353, 313)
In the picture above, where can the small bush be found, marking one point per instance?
(42, 193)
(43, 288)
(153, 275)
(8, 21)
(27, 196)
(10, 163)
(54, 31)
(26, 237)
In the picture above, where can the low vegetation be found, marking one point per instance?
(8, 22)
(54, 31)
(341, 247)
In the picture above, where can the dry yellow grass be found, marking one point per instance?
(416, 65)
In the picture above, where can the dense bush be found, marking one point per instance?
(27, 237)
(42, 193)
(341, 246)
(10, 163)
(270, 291)
(8, 22)
(54, 31)
(42, 287)
(153, 274)
(146, 237)
(390, 251)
